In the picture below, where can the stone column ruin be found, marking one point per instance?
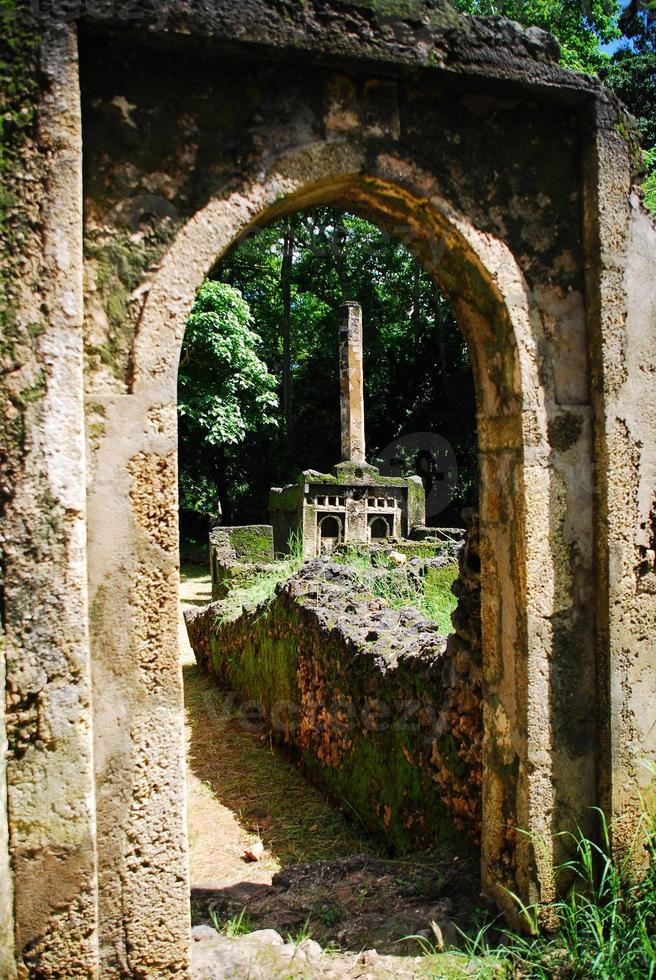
(351, 382)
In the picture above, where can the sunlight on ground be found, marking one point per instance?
(216, 838)
(240, 787)
(195, 590)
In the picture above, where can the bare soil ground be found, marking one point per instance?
(319, 874)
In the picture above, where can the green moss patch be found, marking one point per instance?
(253, 543)
(361, 696)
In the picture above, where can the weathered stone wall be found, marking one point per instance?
(623, 317)
(420, 153)
(237, 555)
(380, 710)
(514, 182)
(48, 918)
(488, 206)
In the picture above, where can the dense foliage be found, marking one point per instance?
(225, 392)
(294, 275)
(632, 74)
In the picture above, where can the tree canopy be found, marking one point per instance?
(417, 374)
(225, 390)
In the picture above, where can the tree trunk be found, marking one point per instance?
(439, 326)
(338, 255)
(286, 290)
(223, 510)
(416, 298)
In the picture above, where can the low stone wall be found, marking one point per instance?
(238, 555)
(379, 709)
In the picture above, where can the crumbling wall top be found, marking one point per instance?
(411, 33)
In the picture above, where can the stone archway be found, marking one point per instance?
(379, 529)
(517, 180)
(524, 560)
(329, 533)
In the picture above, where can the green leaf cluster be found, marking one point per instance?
(417, 371)
(225, 392)
(225, 389)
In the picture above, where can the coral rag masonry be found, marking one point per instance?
(515, 182)
(379, 708)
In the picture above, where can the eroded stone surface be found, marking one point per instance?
(264, 955)
(379, 708)
(513, 182)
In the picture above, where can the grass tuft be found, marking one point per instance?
(235, 925)
(429, 593)
(606, 924)
(263, 588)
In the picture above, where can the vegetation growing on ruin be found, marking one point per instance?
(427, 589)
(294, 275)
(424, 587)
(362, 726)
(117, 264)
(263, 584)
(606, 923)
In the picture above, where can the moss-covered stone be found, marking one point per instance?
(238, 555)
(564, 430)
(251, 543)
(19, 83)
(416, 503)
(374, 704)
(286, 498)
(116, 263)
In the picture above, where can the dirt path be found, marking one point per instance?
(217, 839)
(241, 789)
(318, 874)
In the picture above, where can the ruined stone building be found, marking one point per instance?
(354, 504)
(143, 140)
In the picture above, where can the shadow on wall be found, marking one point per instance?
(232, 756)
(319, 872)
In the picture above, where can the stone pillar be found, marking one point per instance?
(621, 243)
(48, 753)
(351, 382)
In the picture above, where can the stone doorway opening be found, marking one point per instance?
(519, 180)
(330, 533)
(379, 529)
(377, 258)
(485, 286)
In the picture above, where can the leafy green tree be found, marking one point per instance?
(580, 26)
(417, 371)
(225, 391)
(632, 74)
